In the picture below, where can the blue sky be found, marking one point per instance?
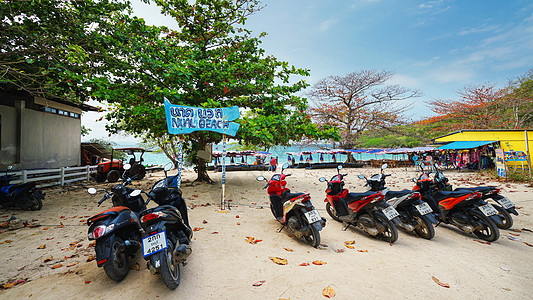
(436, 46)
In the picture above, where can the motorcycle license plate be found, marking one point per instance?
(312, 216)
(154, 243)
(488, 210)
(424, 208)
(390, 212)
(506, 203)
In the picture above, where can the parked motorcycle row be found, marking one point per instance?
(380, 211)
(163, 232)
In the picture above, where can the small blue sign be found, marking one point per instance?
(186, 119)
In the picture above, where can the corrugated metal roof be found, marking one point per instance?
(465, 145)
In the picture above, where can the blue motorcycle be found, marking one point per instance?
(24, 195)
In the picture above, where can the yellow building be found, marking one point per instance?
(511, 141)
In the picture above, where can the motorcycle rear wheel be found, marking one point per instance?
(34, 202)
(117, 267)
(426, 229)
(314, 238)
(490, 231)
(391, 233)
(170, 270)
(332, 212)
(507, 220)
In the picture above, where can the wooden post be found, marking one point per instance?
(222, 200)
(528, 156)
(62, 175)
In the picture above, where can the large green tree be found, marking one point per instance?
(210, 61)
(51, 48)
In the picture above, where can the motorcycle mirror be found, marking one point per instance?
(361, 176)
(285, 166)
(414, 179)
(127, 166)
(91, 191)
(9, 168)
(339, 167)
(168, 166)
(135, 193)
(322, 179)
(384, 166)
(260, 178)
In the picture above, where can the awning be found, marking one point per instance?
(465, 145)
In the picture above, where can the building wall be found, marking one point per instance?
(8, 135)
(509, 140)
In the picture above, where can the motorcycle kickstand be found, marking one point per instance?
(283, 226)
(438, 224)
(346, 226)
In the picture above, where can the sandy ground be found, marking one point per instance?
(224, 266)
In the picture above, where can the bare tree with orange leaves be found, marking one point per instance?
(359, 101)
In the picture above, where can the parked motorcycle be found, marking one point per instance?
(23, 195)
(294, 210)
(167, 235)
(415, 214)
(117, 230)
(367, 211)
(464, 209)
(504, 206)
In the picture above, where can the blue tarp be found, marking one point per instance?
(465, 145)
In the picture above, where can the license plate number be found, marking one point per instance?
(506, 203)
(312, 216)
(424, 208)
(154, 243)
(488, 210)
(390, 212)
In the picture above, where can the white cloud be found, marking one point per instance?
(480, 29)
(326, 25)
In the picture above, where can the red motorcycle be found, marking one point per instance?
(464, 209)
(294, 210)
(367, 211)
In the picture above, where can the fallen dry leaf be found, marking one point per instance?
(13, 283)
(135, 267)
(288, 249)
(279, 260)
(72, 264)
(57, 266)
(197, 228)
(60, 225)
(525, 229)
(6, 241)
(91, 258)
(204, 222)
(252, 240)
(259, 283)
(339, 250)
(214, 232)
(349, 242)
(49, 238)
(440, 283)
(482, 242)
(328, 292)
(41, 247)
(223, 211)
(528, 244)
(362, 250)
(237, 216)
(46, 228)
(305, 264)
(319, 263)
(92, 244)
(238, 223)
(349, 246)
(515, 230)
(515, 234)
(48, 259)
(87, 281)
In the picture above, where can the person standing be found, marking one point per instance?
(273, 163)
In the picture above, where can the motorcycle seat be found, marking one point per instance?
(108, 212)
(445, 194)
(481, 189)
(288, 195)
(397, 194)
(352, 197)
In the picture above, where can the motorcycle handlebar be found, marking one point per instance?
(103, 199)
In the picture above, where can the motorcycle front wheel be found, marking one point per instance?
(507, 220)
(170, 270)
(117, 266)
(390, 234)
(34, 202)
(424, 228)
(332, 212)
(490, 231)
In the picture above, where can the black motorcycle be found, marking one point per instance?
(504, 206)
(166, 231)
(415, 214)
(23, 195)
(117, 230)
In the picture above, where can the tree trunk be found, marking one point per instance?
(202, 166)
(350, 158)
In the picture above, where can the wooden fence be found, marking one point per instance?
(52, 177)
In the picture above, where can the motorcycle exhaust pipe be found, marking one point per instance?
(369, 230)
(408, 227)
(467, 228)
(182, 252)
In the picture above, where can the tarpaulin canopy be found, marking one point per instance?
(465, 145)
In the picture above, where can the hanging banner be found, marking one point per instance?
(500, 162)
(186, 119)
